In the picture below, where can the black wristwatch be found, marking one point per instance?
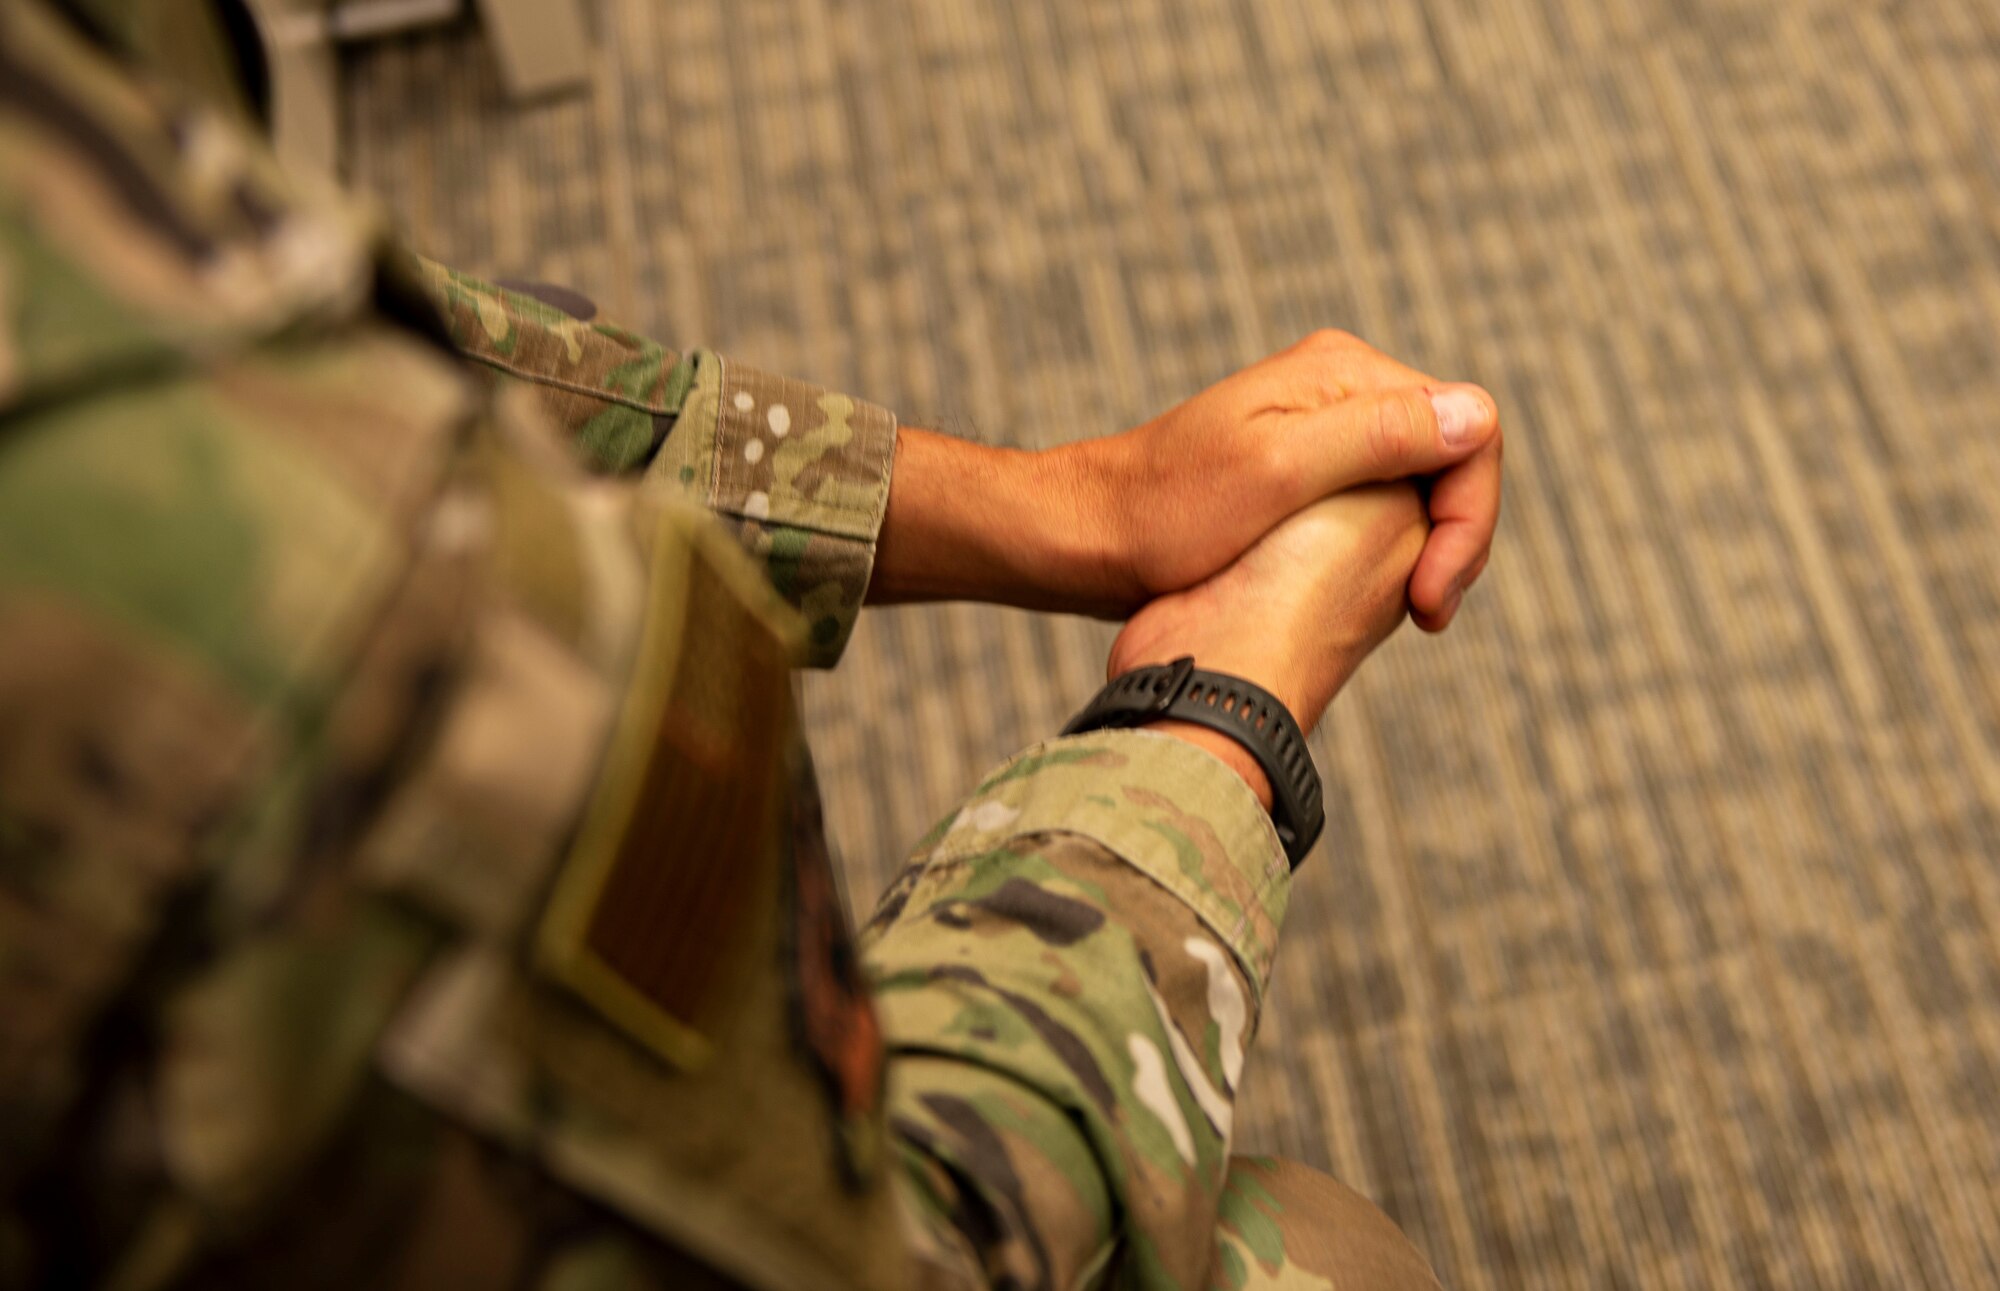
(1247, 713)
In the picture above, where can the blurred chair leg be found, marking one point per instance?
(542, 44)
(305, 93)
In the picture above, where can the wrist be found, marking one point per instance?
(1029, 528)
(1090, 484)
(1240, 710)
(1268, 664)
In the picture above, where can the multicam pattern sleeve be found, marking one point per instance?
(1068, 976)
(800, 473)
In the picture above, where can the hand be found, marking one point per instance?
(1204, 480)
(1296, 614)
(1101, 526)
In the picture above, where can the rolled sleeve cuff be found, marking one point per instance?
(801, 473)
(1169, 809)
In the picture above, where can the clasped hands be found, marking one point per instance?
(1278, 525)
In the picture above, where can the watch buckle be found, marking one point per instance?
(1178, 673)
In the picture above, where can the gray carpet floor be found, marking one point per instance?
(1655, 936)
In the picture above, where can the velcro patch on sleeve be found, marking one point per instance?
(653, 918)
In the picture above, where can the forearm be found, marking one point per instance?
(964, 521)
(608, 393)
(1068, 979)
(797, 471)
(1034, 529)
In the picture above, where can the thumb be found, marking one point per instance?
(1393, 434)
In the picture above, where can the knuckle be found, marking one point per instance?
(1330, 338)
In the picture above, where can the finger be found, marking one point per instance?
(1452, 547)
(1444, 619)
(1465, 510)
(1390, 435)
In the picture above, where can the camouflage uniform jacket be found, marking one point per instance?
(408, 869)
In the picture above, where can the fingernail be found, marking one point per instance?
(1461, 415)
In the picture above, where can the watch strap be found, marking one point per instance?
(1242, 710)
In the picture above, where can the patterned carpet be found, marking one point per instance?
(1655, 937)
